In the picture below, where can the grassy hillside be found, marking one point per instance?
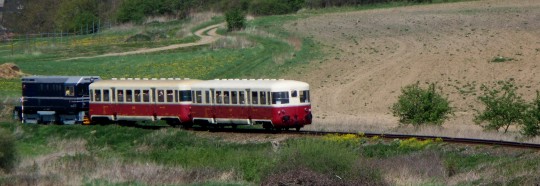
(118, 155)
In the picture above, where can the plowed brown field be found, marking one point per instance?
(370, 55)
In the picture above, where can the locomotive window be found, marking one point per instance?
(161, 96)
(185, 95)
(304, 96)
(106, 95)
(234, 97)
(146, 96)
(280, 97)
(120, 95)
(129, 96)
(294, 93)
(170, 96)
(255, 97)
(137, 96)
(219, 97)
(207, 96)
(241, 97)
(226, 97)
(263, 98)
(70, 90)
(97, 95)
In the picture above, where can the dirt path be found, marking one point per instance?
(372, 54)
(205, 39)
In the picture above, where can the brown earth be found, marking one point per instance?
(10, 70)
(370, 55)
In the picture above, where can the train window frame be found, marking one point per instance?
(146, 96)
(255, 97)
(294, 93)
(120, 95)
(137, 96)
(263, 99)
(91, 95)
(219, 97)
(242, 97)
(304, 96)
(226, 97)
(70, 90)
(281, 97)
(106, 96)
(160, 96)
(207, 96)
(97, 95)
(129, 96)
(169, 96)
(185, 95)
(234, 97)
(198, 96)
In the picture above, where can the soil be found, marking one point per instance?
(370, 55)
(9, 71)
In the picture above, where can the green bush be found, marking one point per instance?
(8, 154)
(531, 121)
(418, 106)
(77, 14)
(236, 20)
(503, 107)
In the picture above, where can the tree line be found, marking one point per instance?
(35, 16)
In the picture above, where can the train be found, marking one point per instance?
(272, 103)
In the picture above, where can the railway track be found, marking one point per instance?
(388, 136)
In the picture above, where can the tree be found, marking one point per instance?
(418, 106)
(503, 107)
(76, 14)
(236, 20)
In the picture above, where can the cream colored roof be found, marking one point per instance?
(261, 84)
(140, 83)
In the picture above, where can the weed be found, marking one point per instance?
(500, 59)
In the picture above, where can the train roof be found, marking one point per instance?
(271, 84)
(145, 83)
(60, 79)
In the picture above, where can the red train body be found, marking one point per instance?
(272, 103)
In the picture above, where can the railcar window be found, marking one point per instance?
(234, 97)
(255, 97)
(129, 96)
(98, 95)
(280, 97)
(294, 93)
(106, 95)
(120, 95)
(70, 90)
(185, 95)
(161, 96)
(263, 98)
(137, 96)
(170, 96)
(304, 96)
(198, 97)
(207, 96)
(91, 94)
(146, 95)
(219, 97)
(226, 97)
(242, 97)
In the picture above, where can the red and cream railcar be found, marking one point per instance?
(273, 103)
(128, 100)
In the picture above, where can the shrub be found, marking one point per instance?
(236, 20)
(503, 106)
(417, 106)
(77, 14)
(531, 121)
(8, 155)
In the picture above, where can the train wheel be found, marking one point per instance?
(298, 129)
(234, 126)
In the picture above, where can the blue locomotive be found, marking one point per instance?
(54, 99)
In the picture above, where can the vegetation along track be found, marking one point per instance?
(386, 136)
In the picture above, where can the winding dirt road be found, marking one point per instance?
(205, 39)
